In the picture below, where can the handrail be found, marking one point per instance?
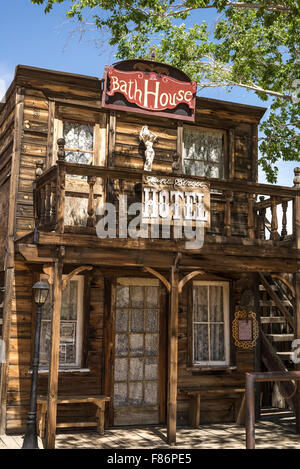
(109, 172)
(258, 377)
(51, 190)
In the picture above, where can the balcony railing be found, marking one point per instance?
(239, 209)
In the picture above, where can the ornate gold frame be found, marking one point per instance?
(245, 344)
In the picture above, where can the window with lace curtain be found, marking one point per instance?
(210, 324)
(79, 139)
(203, 152)
(71, 324)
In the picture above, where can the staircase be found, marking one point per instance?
(276, 298)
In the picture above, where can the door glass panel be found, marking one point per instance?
(151, 321)
(120, 394)
(151, 392)
(151, 297)
(121, 369)
(136, 345)
(136, 369)
(121, 321)
(121, 345)
(135, 394)
(151, 345)
(137, 321)
(151, 368)
(137, 297)
(122, 297)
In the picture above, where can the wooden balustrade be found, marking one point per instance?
(251, 199)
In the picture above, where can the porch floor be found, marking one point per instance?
(275, 429)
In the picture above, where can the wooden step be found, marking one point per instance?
(272, 303)
(272, 320)
(284, 355)
(281, 337)
(262, 288)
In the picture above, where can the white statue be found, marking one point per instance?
(149, 139)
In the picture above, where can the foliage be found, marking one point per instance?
(255, 45)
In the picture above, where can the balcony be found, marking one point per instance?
(67, 196)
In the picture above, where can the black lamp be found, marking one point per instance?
(41, 291)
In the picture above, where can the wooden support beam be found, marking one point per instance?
(189, 277)
(75, 272)
(159, 276)
(172, 358)
(54, 354)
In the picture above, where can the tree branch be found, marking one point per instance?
(181, 9)
(243, 85)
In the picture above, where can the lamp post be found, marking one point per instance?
(41, 290)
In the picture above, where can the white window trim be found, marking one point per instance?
(79, 335)
(215, 363)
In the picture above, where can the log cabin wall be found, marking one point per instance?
(7, 128)
(86, 381)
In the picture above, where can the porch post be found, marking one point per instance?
(296, 224)
(54, 354)
(172, 357)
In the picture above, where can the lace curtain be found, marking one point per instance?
(208, 324)
(203, 152)
(79, 137)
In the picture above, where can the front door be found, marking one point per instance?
(137, 363)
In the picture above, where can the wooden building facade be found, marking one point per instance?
(147, 322)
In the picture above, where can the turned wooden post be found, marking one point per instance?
(251, 234)
(47, 202)
(91, 203)
(261, 221)
(274, 221)
(284, 218)
(53, 202)
(227, 221)
(61, 177)
(37, 194)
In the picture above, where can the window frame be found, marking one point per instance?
(211, 364)
(98, 120)
(225, 149)
(79, 330)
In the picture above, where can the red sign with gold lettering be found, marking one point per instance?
(151, 92)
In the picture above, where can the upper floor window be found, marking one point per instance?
(79, 142)
(203, 152)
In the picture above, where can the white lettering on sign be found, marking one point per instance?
(176, 205)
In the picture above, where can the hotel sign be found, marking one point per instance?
(175, 200)
(149, 91)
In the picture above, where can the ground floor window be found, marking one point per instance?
(210, 324)
(70, 349)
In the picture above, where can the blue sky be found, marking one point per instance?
(29, 37)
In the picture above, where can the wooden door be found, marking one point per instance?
(137, 389)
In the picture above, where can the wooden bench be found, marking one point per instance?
(98, 401)
(195, 395)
